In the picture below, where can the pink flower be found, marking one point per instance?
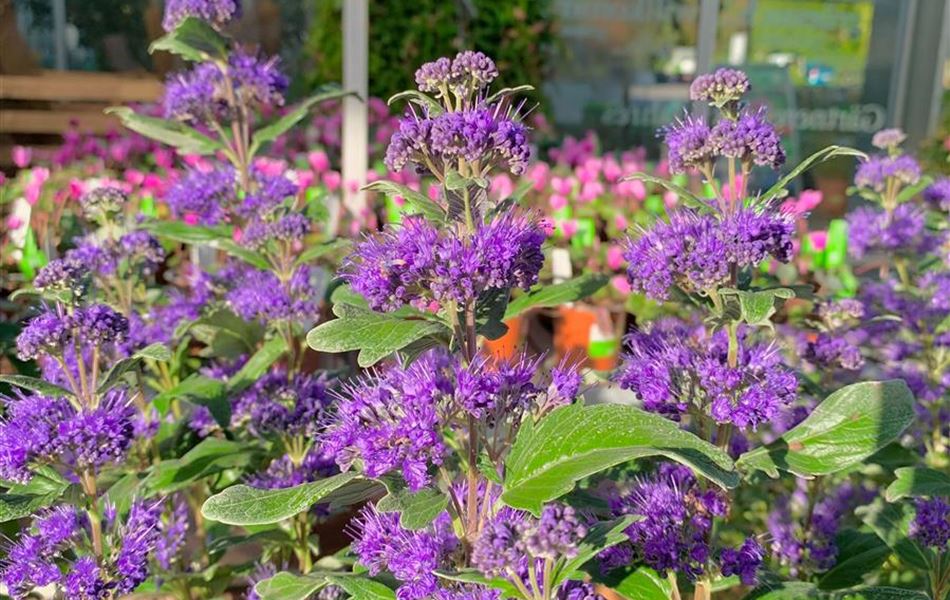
(77, 188)
(164, 158)
(620, 221)
(14, 222)
(119, 152)
(434, 192)
(612, 170)
(810, 199)
(568, 227)
(153, 183)
(501, 186)
(632, 188)
(670, 199)
(191, 219)
(237, 234)
(547, 226)
(319, 161)
(305, 178)
(22, 155)
(591, 190)
(818, 240)
(134, 176)
(620, 284)
(332, 180)
(557, 201)
(562, 185)
(398, 200)
(614, 257)
(538, 173)
(34, 188)
(270, 167)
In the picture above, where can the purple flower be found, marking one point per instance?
(874, 172)
(720, 87)
(102, 202)
(577, 590)
(888, 139)
(751, 138)
(262, 296)
(555, 535)
(838, 313)
(390, 420)
(202, 422)
(98, 325)
(416, 263)
(931, 524)
(84, 581)
(743, 561)
(829, 351)
(217, 13)
(287, 229)
(138, 536)
(432, 76)
(283, 472)
(269, 192)
(203, 196)
(172, 532)
(64, 274)
(411, 556)
(472, 72)
(937, 194)
(696, 251)
(499, 545)
(141, 253)
(257, 81)
(677, 520)
(276, 404)
(902, 231)
(44, 334)
(688, 144)
(193, 96)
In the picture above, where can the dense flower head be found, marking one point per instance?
(472, 71)
(173, 531)
(480, 135)
(937, 194)
(103, 201)
(51, 331)
(285, 472)
(277, 403)
(751, 139)
(138, 534)
(555, 534)
(809, 546)
(98, 325)
(696, 251)
(416, 263)
(190, 96)
(903, 231)
(875, 172)
(499, 545)
(672, 365)
(141, 253)
(39, 430)
(260, 295)
(381, 543)
(46, 333)
(931, 524)
(688, 144)
(840, 312)
(63, 274)
(743, 561)
(203, 196)
(269, 191)
(217, 13)
(719, 87)
(832, 350)
(390, 420)
(431, 76)
(677, 517)
(289, 228)
(888, 139)
(257, 80)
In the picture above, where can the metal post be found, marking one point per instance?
(355, 115)
(59, 34)
(706, 38)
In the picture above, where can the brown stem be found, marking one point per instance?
(88, 480)
(702, 590)
(674, 587)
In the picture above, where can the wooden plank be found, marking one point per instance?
(81, 86)
(55, 122)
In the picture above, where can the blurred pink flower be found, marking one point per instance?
(305, 178)
(562, 185)
(670, 199)
(557, 201)
(434, 192)
(33, 189)
(22, 155)
(319, 161)
(620, 221)
(77, 187)
(538, 173)
(501, 186)
(620, 283)
(164, 158)
(591, 190)
(14, 222)
(568, 227)
(614, 257)
(818, 240)
(190, 218)
(332, 180)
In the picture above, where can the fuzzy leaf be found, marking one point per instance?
(289, 586)
(602, 536)
(891, 523)
(200, 390)
(419, 202)
(417, 97)
(416, 509)
(209, 457)
(575, 441)
(251, 257)
(859, 553)
(187, 139)
(258, 364)
(757, 307)
(318, 250)
(35, 384)
(21, 500)
(508, 590)
(505, 92)
(185, 233)
(642, 583)
(559, 293)
(848, 426)
(193, 39)
(362, 588)
(282, 125)
(780, 189)
(689, 199)
(918, 481)
(156, 351)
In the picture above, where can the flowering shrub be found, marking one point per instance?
(179, 435)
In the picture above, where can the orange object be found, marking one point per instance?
(572, 331)
(507, 345)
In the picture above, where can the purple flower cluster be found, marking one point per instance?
(696, 252)
(280, 404)
(50, 332)
(903, 231)
(672, 366)
(103, 202)
(469, 72)
(693, 145)
(875, 172)
(258, 295)
(417, 263)
(33, 560)
(39, 430)
(287, 229)
(411, 556)
(284, 472)
(810, 547)
(217, 13)
(720, 87)
(931, 524)
(744, 561)
(173, 531)
(831, 351)
(481, 136)
(677, 517)
(937, 194)
(888, 139)
(203, 196)
(65, 274)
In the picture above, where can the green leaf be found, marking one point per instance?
(859, 553)
(193, 39)
(210, 457)
(642, 583)
(251, 257)
(416, 509)
(559, 293)
(910, 191)
(891, 523)
(435, 109)
(797, 590)
(282, 125)
(780, 189)
(505, 92)
(602, 536)
(187, 139)
(244, 505)
(472, 576)
(185, 233)
(317, 250)
(418, 201)
(689, 198)
(757, 307)
(575, 441)
(786, 590)
(22, 500)
(34, 384)
(848, 426)
(228, 335)
(375, 335)
(362, 588)
(489, 313)
(200, 390)
(258, 364)
(455, 181)
(289, 586)
(918, 481)
(156, 351)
